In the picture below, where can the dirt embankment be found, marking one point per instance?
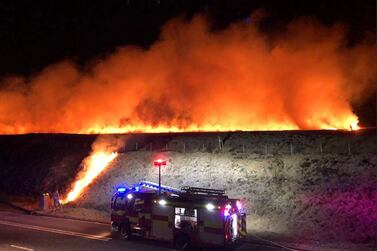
(305, 186)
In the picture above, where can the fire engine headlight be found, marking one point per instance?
(210, 206)
(162, 202)
(129, 196)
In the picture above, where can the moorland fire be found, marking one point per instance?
(104, 152)
(193, 79)
(94, 165)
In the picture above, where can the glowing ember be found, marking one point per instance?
(94, 165)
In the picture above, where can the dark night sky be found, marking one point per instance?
(33, 35)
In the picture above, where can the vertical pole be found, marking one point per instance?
(159, 180)
(184, 147)
(136, 146)
(291, 148)
(320, 147)
(349, 149)
(220, 145)
(243, 148)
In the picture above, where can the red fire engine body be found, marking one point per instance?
(191, 216)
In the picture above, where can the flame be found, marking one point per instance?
(354, 125)
(95, 164)
(192, 79)
(350, 123)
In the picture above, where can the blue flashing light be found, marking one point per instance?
(137, 189)
(121, 189)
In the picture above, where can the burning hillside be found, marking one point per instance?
(193, 79)
(103, 153)
(94, 165)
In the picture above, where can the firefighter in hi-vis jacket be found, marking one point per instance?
(187, 217)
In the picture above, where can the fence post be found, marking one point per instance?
(136, 146)
(243, 148)
(349, 148)
(290, 143)
(184, 147)
(220, 143)
(320, 147)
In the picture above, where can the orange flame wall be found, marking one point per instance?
(192, 79)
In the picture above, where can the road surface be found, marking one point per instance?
(21, 231)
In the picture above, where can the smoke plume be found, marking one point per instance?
(191, 79)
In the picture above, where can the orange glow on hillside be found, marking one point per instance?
(94, 165)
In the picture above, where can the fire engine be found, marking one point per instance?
(189, 216)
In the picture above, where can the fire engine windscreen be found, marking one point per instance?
(195, 79)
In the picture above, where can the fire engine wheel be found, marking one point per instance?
(125, 231)
(182, 242)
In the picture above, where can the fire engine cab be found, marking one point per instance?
(189, 216)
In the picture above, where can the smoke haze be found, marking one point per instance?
(193, 79)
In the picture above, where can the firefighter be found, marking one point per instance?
(56, 198)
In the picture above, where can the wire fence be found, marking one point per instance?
(344, 146)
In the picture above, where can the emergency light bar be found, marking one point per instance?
(121, 189)
(159, 162)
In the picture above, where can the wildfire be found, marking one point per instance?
(94, 165)
(192, 79)
(354, 125)
(350, 123)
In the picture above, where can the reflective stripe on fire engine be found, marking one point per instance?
(133, 219)
(158, 224)
(212, 230)
(211, 224)
(146, 216)
(119, 212)
(160, 218)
